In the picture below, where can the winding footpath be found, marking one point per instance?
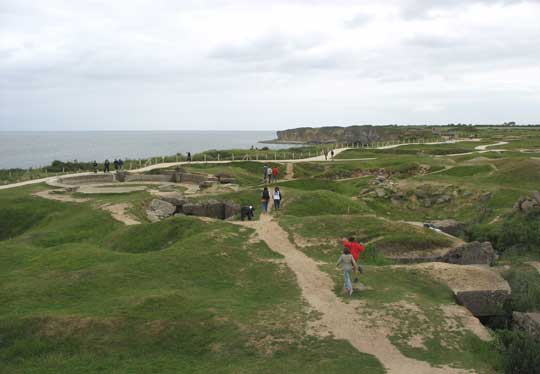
(337, 318)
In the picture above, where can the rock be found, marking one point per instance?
(427, 203)
(207, 184)
(470, 254)
(528, 205)
(175, 198)
(121, 175)
(536, 196)
(467, 194)
(194, 209)
(484, 303)
(225, 180)
(380, 192)
(450, 226)
(527, 322)
(71, 188)
(160, 209)
(212, 209)
(231, 209)
(443, 199)
(485, 196)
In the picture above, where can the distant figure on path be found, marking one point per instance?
(95, 167)
(275, 173)
(116, 164)
(189, 157)
(265, 172)
(332, 154)
(269, 174)
(264, 199)
(247, 211)
(325, 155)
(106, 166)
(277, 198)
(120, 164)
(356, 250)
(347, 263)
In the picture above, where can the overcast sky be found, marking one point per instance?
(266, 65)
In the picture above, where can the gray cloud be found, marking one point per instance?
(239, 64)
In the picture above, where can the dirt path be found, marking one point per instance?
(118, 212)
(290, 172)
(484, 147)
(338, 318)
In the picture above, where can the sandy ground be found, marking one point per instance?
(290, 172)
(118, 212)
(484, 147)
(534, 264)
(50, 195)
(337, 318)
(463, 277)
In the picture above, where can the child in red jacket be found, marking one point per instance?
(356, 250)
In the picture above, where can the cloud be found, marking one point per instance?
(213, 64)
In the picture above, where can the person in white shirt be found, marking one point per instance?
(277, 198)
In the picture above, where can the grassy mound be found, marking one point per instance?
(213, 301)
(315, 203)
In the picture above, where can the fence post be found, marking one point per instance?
(205, 158)
(232, 156)
(218, 156)
(275, 155)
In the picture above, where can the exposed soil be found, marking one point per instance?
(57, 196)
(290, 172)
(534, 264)
(118, 212)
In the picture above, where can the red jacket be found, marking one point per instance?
(275, 171)
(355, 248)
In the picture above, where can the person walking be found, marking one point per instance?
(188, 157)
(265, 198)
(106, 166)
(120, 164)
(269, 175)
(347, 263)
(277, 198)
(95, 165)
(275, 173)
(325, 155)
(332, 154)
(115, 163)
(265, 173)
(356, 250)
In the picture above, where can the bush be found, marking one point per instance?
(525, 289)
(521, 353)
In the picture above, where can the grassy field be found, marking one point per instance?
(81, 292)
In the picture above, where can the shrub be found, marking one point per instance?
(521, 353)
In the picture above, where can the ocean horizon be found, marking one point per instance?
(25, 149)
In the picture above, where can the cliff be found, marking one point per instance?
(352, 134)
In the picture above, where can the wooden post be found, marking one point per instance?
(205, 158)
(218, 156)
(232, 156)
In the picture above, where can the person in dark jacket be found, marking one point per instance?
(120, 164)
(188, 157)
(106, 166)
(247, 211)
(95, 166)
(277, 198)
(115, 163)
(265, 198)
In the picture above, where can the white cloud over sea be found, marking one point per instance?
(246, 65)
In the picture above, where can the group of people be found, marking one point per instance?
(270, 174)
(118, 165)
(348, 261)
(276, 197)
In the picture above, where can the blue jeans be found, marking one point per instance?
(276, 203)
(347, 277)
(265, 206)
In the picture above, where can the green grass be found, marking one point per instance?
(324, 233)
(82, 293)
(466, 171)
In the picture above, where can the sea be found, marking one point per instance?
(27, 149)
